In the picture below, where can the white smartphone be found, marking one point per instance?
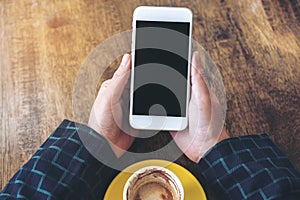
(160, 75)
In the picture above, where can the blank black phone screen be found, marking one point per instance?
(161, 68)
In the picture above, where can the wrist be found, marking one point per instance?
(223, 136)
(196, 158)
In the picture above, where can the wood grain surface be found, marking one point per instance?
(254, 43)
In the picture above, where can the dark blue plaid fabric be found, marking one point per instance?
(239, 168)
(250, 167)
(61, 169)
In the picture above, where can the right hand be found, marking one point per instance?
(201, 134)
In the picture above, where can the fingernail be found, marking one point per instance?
(125, 59)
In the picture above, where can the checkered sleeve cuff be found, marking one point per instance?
(62, 168)
(250, 167)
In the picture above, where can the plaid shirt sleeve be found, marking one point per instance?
(250, 167)
(61, 169)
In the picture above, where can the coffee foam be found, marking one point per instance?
(154, 183)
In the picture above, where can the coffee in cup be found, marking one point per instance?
(153, 183)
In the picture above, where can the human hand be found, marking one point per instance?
(204, 115)
(107, 114)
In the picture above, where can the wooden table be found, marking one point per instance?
(254, 43)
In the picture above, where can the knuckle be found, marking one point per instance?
(106, 83)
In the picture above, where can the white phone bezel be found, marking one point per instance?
(159, 14)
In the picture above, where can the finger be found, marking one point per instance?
(107, 87)
(105, 84)
(124, 66)
(199, 87)
(173, 133)
(102, 93)
(120, 78)
(126, 92)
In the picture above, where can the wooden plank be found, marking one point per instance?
(254, 43)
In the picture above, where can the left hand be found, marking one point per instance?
(107, 117)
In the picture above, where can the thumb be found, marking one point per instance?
(120, 78)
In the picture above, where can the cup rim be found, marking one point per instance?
(142, 170)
